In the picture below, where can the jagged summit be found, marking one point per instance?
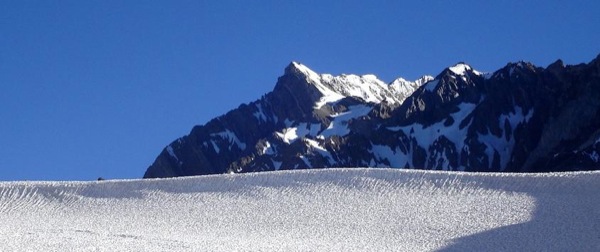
(404, 88)
(462, 69)
(519, 68)
(299, 69)
(368, 87)
(519, 118)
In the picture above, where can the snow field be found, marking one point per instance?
(307, 210)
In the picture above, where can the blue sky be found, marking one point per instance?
(98, 88)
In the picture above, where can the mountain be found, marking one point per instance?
(520, 118)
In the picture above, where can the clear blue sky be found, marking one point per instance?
(98, 88)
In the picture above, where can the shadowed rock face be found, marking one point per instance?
(520, 118)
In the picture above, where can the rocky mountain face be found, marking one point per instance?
(520, 118)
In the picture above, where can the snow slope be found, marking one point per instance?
(307, 210)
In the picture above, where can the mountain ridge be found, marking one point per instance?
(516, 119)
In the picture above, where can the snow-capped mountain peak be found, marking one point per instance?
(403, 88)
(300, 69)
(462, 69)
(366, 87)
(424, 79)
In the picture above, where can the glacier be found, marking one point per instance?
(343, 209)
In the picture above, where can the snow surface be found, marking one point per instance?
(268, 149)
(384, 152)
(172, 152)
(260, 114)
(215, 147)
(315, 146)
(427, 136)
(504, 144)
(289, 135)
(339, 124)
(307, 210)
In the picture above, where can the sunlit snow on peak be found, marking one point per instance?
(312, 75)
(462, 69)
(367, 87)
